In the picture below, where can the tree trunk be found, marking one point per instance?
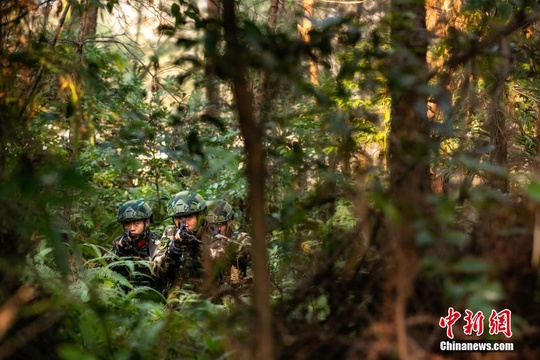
(497, 120)
(264, 98)
(78, 127)
(252, 134)
(304, 28)
(437, 24)
(535, 257)
(408, 153)
(212, 84)
(87, 30)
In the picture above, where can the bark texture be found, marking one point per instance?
(252, 134)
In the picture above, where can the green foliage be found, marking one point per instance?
(473, 290)
(106, 125)
(533, 190)
(110, 318)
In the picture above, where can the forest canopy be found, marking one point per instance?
(381, 154)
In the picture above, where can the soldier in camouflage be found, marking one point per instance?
(229, 249)
(138, 243)
(182, 261)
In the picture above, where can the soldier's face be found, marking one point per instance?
(135, 227)
(224, 228)
(190, 220)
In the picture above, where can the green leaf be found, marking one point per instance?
(73, 352)
(533, 190)
(504, 9)
(471, 266)
(110, 5)
(70, 107)
(175, 9)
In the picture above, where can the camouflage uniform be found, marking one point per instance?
(229, 250)
(180, 263)
(139, 249)
(241, 242)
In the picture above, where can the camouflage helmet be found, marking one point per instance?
(186, 203)
(133, 210)
(219, 211)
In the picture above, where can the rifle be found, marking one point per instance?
(127, 241)
(181, 230)
(184, 234)
(178, 246)
(215, 229)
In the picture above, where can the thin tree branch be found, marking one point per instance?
(480, 47)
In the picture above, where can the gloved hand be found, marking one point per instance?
(186, 238)
(119, 250)
(122, 248)
(176, 248)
